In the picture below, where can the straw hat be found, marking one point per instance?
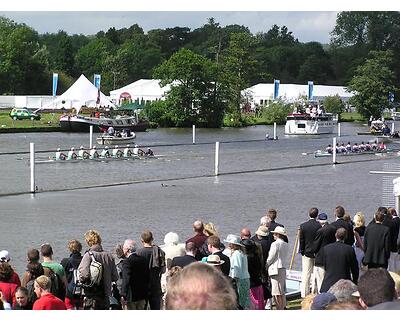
(280, 230)
(214, 260)
(262, 231)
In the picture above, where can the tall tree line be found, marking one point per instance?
(239, 58)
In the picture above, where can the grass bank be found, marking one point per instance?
(48, 122)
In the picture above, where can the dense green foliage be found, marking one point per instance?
(334, 104)
(221, 62)
(276, 112)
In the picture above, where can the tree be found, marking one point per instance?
(334, 104)
(276, 111)
(372, 83)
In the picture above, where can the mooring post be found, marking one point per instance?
(32, 161)
(274, 130)
(393, 127)
(338, 129)
(217, 158)
(90, 137)
(334, 151)
(194, 134)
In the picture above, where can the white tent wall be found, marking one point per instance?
(262, 93)
(31, 102)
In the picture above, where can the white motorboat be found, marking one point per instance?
(306, 124)
(107, 139)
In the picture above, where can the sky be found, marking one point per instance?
(305, 25)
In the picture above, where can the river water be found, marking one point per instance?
(122, 198)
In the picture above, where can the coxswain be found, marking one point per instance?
(72, 154)
(386, 130)
(93, 153)
(116, 153)
(105, 153)
(348, 147)
(329, 149)
(60, 155)
(83, 154)
(149, 152)
(355, 148)
(382, 146)
(127, 151)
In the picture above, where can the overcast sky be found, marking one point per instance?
(305, 25)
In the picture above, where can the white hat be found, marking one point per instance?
(231, 238)
(81, 147)
(262, 231)
(58, 149)
(94, 147)
(171, 238)
(72, 148)
(116, 146)
(280, 230)
(4, 256)
(214, 260)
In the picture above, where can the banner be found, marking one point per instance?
(96, 81)
(276, 89)
(55, 82)
(310, 90)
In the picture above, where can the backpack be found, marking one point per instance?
(75, 286)
(31, 291)
(96, 272)
(57, 285)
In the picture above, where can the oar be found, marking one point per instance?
(307, 153)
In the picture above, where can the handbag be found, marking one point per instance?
(273, 270)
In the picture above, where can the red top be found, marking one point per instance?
(15, 279)
(8, 290)
(49, 302)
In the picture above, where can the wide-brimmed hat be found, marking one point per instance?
(231, 238)
(214, 260)
(262, 231)
(280, 230)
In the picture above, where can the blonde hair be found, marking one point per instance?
(92, 237)
(200, 286)
(359, 220)
(307, 302)
(396, 279)
(210, 229)
(44, 282)
(74, 246)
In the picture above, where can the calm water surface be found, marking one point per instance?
(231, 201)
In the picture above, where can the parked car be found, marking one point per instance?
(23, 113)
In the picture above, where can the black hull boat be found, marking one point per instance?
(82, 124)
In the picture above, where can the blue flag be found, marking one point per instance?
(310, 90)
(55, 82)
(96, 80)
(276, 89)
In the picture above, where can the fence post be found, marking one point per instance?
(216, 158)
(90, 137)
(393, 127)
(32, 162)
(194, 134)
(338, 129)
(334, 151)
(274, 130)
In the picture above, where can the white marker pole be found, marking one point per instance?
(217, 158)
(194, 134)
(91, 137)
(338, 129)
(274, 130)
(32, 161)
(392, 127)
(334, 151)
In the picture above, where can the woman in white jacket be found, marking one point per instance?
(276, 269)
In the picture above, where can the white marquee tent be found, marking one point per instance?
(81, 93)
(141, 90)
(261, 93)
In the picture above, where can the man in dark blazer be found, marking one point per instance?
(339, 261)
(324, 236)
(188, 258)
(340, 223)
(214, 247)
(272, 214)
(377, 243)
(135, 278)
(307, 233)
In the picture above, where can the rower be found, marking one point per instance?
(149, 152)
(348, 147)
(110, 131)
(105, 153)
(83, 154)
(116, 153)
(329, 149)
(355, 148)
(368, 146)
(127, 152)
(342, 148)
(362, 146)
(382, 146)
(136, 150)
(374, 146)
(93, 153)
(60, 155)
(71, 154)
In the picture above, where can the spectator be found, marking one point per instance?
(198, 239)
(343, 290)
(46, 300)
(341, 223)
(188, 258)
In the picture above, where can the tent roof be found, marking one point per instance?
(81, 93)
(141, 88)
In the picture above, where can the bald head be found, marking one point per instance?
(245, 233)
(198, 226)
